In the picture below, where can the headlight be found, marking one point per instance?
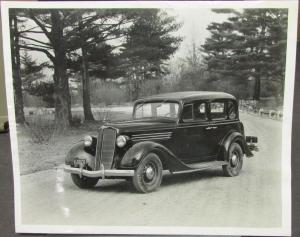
(121, 141)
(88, 140)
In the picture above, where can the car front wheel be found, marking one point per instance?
(84, 182)
(235, 160)
(148, 175)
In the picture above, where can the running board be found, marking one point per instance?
(201, 166)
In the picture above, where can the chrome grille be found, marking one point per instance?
(106, 148)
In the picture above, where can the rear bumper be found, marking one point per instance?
(99, 173)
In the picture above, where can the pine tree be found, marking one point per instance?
(92, 28)
(149, 43)
(249, 46)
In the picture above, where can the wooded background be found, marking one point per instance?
(112, 56)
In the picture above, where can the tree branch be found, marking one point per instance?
(28, 30)
(33, 31)
(49, 55)
(37, 41)
(43, 28)
(40, 46)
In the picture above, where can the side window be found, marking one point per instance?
(232, 110)
(167, 110)
(187, 113)
(217, 111)
(143, 110)
(200, 111)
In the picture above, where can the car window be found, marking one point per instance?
(167, 110)
(217, 110)
(187, 113)
(144, 111)
(156, 110)
(232, 110)
(200, 111)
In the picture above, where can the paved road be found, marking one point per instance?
(204, 198)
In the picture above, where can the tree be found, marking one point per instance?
(249, 46)
(70, 31)
(33, 80)
(93, 28)
(15, 59)
(51, 24)
(149, 43)
(193, 75)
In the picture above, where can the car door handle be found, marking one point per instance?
(209, 128)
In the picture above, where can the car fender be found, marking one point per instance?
(229, 139)
(138, 152)
(78, 152)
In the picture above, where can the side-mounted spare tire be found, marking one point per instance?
(148, 175)
(235, 160)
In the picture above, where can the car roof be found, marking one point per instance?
(188, 96)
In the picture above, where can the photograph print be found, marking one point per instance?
(151, 117)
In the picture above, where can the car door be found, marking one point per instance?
(223, 116)
(193, 130)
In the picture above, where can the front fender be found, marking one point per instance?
(78, 152)
(234, 137)
(138, 151)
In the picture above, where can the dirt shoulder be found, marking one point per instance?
(34, 157)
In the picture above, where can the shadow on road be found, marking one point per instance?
(176, 179)
(120, 186)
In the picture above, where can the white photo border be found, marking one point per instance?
(291, 5)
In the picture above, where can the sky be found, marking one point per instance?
(195, 22)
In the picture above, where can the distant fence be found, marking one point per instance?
(101, 113)
(253, 107)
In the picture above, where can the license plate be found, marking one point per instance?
(79, 163)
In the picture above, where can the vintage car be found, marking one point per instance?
(177, 132)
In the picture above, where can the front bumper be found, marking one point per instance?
(99, 173)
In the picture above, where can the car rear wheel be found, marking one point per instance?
(84, 182)
(148, 175)
(235, 160)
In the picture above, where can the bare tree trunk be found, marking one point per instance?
(86, 97)
(63, 118)
(63, 115)
(16, 69)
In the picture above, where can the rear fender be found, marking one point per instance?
(138, 152)
(78, 152)
(234, 137)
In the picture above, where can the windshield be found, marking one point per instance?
(163, 109)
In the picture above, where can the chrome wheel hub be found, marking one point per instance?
(149, 172)
(234, 160)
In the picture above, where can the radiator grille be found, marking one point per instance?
(106, 148)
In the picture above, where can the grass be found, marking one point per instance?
(42, 147)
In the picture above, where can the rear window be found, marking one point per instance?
(232, 110)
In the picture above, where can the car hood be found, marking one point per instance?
(142, 125)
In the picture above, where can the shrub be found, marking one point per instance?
(76, 121)
(104, 116)
(41, 127)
